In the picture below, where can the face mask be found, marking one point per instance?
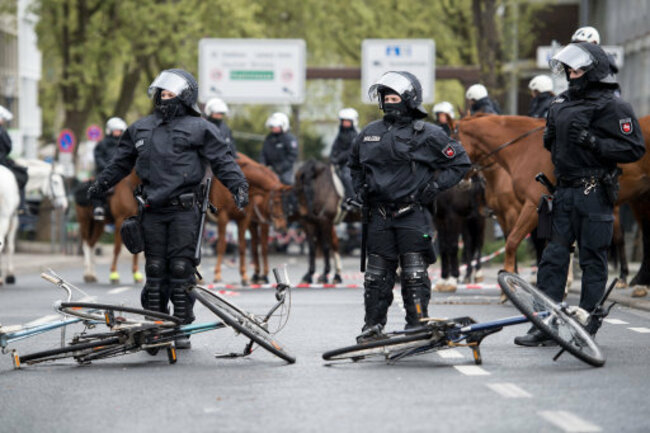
(168, 108)
(215, 121)
(393, 112)
(578, 87)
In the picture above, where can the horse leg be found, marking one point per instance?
(641, 209)
(526, 222)
(468, 252)
(11, 247)
(337, 258)
(479, 237)
(264, 239)
(253, 228)
(114, 276)
(221, 247)
(618, 244)
(308, 278)
(241, 235)
(326, 241)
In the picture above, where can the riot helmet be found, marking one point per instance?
(115, 124)
(476, 92)
(278, 119)
(351, 115)
(541, 84)
(586, 34)
(5, 115)
(215, 106)
(588, 57)
(404, 84)
(181, 83)
(444, 107)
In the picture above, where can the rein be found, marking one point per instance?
(477, 165)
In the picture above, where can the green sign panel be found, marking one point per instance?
(251, 75)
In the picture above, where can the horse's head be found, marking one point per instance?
(277, 212)
(54, 189)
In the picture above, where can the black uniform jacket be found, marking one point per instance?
(539, 105)
(104, 152)
(397, 160)
(5, 144)
(171, 158)
(342, 146)
(280, 151)
(609, 118)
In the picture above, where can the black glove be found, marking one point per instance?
(241, 196)
(581, 136)
(429, 193)
(97, 190)
(549, 136)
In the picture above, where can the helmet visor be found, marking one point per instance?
(572, 56)
(397, 82)
(168, 81)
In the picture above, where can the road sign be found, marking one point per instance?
(417, 56)
(252, 71)
(67, 141)
(94, 133)
(546, 52)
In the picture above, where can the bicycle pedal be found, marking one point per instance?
(16, 359)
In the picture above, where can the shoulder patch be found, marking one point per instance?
(294, 143)
(372, 138)
(558, 100)
(139, 143)
(449, 151)
(625, 125)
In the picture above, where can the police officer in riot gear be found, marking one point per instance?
(104, 152)
(216, 110)
(479, 101)
(541, 88)
(398, 165)
(444, 115)
(341, 149)
(5, 149)
(588, 132)
(280, 148)
(171, 150)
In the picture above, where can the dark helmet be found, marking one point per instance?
(589, 57)
(180, 82)
(406, 85)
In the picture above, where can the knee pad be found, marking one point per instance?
(414, 269)
(379, 272)
(181, 269)
(155, 268)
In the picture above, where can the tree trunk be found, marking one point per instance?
(489, 47)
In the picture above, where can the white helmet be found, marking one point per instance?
(476, 92)
(115, 124)
(586, 34)
(541, 84)
(5, 114)
(444, 107)
(215, 105)
(349, 114)
(278, 119)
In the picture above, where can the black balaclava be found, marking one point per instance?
(577, 86)
(395, 111)
(216, 122)
(169, 108)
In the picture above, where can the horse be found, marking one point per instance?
(44, 179)
(458, 211)
(122, 205)
(524, 156)
(319, 206)
(264, 208)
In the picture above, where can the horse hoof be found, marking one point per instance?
(307, 279)
(640, 292)
(216, 279)
(337, 279)
(478, 279)
(467, 280)
(114, 277)
(264, 279)
(621, 284)
(90, 279)
(10, 279)
(503, 298)
(323, 279)
(255, 279)
(245, 282)
(138, 277)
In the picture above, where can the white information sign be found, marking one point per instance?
(252, 71)
(417, 56)
(545, 53)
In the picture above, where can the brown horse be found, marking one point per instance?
(265, 207)
(524, 158)
(318, 209)
(122, 205)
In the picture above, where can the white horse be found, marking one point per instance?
(44, 179)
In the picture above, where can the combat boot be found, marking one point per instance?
(183, 343)
(533, 338)
(371, 333)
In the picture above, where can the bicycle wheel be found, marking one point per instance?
(126, 316)
(558, 324)
(241, 321)
(70, 351)
(384, 347)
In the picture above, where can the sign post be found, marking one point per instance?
(252, 71)
(417, 56)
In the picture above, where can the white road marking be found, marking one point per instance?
(640, 330)
(509, 390)
(117, 290)
(45, 319)
(616, 321)
(449, 354)
(471, 370)
(568, 422)
(211, 409)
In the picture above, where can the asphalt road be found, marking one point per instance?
(516, 389)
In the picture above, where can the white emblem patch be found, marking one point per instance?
(139, 143)
(372, 138)
(294, 144)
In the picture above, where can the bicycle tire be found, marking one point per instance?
(240, 321)
(70, 351)
(378, 347)
(69, 309)
(566, 331)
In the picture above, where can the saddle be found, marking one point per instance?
(19, 172)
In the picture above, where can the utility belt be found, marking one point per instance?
(608, 181)
(184, 201)
(394, 210)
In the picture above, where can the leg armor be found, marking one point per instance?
(416, 287)
(181, 272)
(152, 297)
(378, 284)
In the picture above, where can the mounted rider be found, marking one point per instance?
(443, 113)
(280, 148)
(104, 152)
(479, 101)
(5, 149)
(341, 149)
(541, 89)
(216, 111)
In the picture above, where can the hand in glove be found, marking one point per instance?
(241, 196)
(429, 193)
(97, 190)
(581, 136)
